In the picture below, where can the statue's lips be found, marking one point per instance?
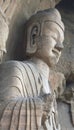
(56, 51)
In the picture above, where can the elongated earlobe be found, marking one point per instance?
(32, 34)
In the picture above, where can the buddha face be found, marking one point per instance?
(52, 37)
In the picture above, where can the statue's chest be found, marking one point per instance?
(36, 83)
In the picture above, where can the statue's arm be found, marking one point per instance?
(11, 80)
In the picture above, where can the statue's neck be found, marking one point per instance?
(42, 66)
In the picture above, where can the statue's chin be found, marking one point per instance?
(52, 61)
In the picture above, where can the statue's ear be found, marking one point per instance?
(32, 33)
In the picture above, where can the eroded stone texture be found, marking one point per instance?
(4, 31)
(58, 82)
(22, 114)
(66, 62)
(68, 98)
(23, 11)
(8, 7)
(72, 111)
(29, 79)
(64, 116)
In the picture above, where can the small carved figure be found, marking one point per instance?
(24, 86)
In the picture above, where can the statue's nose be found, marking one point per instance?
(59, 46)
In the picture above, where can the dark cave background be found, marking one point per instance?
(66, 4)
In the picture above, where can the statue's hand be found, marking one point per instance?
(47, 110)
(47, 102)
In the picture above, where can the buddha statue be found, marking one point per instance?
(26, 98)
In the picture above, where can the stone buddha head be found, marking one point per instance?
(45, 35)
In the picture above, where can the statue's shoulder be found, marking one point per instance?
(10, 67)
(12, 63)
(13, 66)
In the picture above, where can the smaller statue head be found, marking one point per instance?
(44, 33)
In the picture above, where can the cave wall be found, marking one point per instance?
(66, 62)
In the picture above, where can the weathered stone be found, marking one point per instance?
(35, 5)
(19, 14)
(72, 111)
(29, 79)
(22, 114)
(57, 82)
(68, 98)
(64, 116)
(4, 31)
(8, 7)
(66, 62)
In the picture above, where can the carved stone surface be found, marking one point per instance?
(58, 82)
(22, 114)
(64, 116)
(4, 31)
(29, 79)
(66, 62)
(24, 9)
(8, 7)
(68, 98)
(72, 111)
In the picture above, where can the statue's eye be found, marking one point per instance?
(54, 38)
